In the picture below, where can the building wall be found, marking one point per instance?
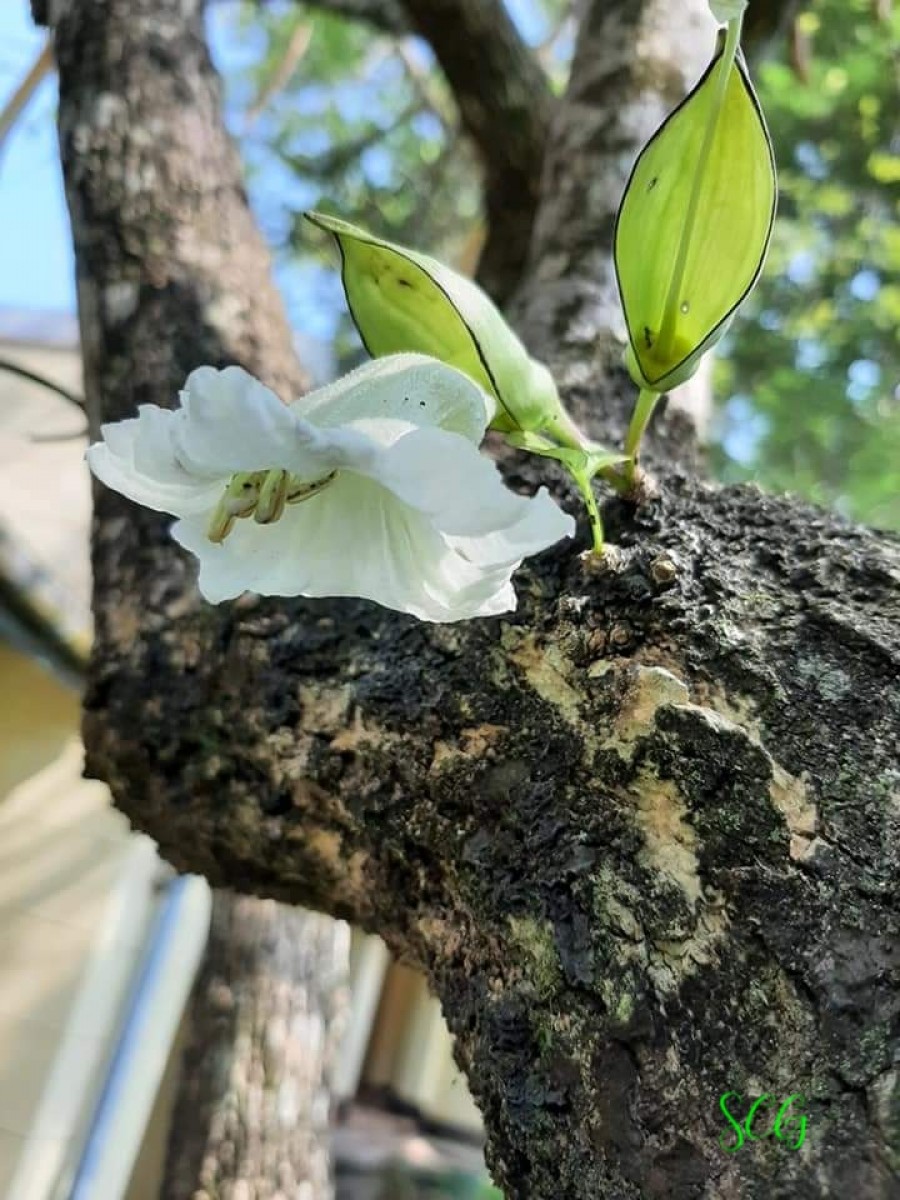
(71, 936)
(38, 717)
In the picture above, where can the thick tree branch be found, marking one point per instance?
(505, 104)
(643, 833)
(385, 16)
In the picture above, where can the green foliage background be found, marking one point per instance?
(808, 381)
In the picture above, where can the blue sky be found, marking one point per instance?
(35, 249)
(36, 269)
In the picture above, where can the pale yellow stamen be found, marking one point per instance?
(270, 504)
(299, 491)
(262, 495)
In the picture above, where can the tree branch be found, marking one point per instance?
(387, 16)
(505, 104)
(384, 16)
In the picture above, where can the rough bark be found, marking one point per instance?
(251, 1116)
(643, 833)
(167, 252)
(505, 104)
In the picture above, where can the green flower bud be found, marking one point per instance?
(694, 224)
(402, 301)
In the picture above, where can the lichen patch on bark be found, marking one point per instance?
(670, 843)
(546, 669)
(647, 689)
(791, 797)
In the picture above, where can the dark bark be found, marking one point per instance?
(384, 16)
(252, 1108)
(505, 104)
(643, 833)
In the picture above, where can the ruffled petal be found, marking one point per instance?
(444, 477)
(231, 422)
(137, 458)
(540, 524)
(406, 388)
(353, 539)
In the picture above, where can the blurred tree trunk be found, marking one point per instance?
(251, 1117)
(172, 269)
(643, 833)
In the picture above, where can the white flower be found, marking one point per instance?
(371, 487)
(727, 10)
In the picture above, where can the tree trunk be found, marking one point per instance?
(252, 1112)
(171, 272)
(643, 833)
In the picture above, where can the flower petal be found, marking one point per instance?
(445, 477)
(231, 422)
(540, 524)
(408, 388)
(136, 457)
(352, 539)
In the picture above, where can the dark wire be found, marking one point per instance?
(43, 381)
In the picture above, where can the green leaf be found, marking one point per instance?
(403, 301)
(588, 461)
(694, 225)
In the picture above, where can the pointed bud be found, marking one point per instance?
(694, 224)
(401, 301)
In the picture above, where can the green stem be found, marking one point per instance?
(664, 343)
(565, 432)
(584, 486)
(640, 418)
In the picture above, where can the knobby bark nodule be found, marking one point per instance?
(641, 833)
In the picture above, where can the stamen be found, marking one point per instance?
(270, 504)
(220, 524)
(262, 495)
(242, 493)
(298, 491)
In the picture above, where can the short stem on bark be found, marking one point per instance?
(640, 419)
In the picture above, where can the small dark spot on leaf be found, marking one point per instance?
(653, 182)
(421, 404)
(648, 337)
(403, 282)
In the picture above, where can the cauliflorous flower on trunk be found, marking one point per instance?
(372, 487)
